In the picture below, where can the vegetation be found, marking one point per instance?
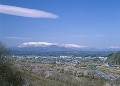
(59, 75)
(114, 58)
(9, 76)
(38, 80)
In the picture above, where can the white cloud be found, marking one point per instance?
(25, 12)
(114, 47)
(45, 44)
(15, 38)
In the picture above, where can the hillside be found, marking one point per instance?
(114, 58)
(37, 74)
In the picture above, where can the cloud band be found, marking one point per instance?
(25, 12)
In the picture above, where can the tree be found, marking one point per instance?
(9, 75)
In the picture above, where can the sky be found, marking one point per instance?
(92, 23)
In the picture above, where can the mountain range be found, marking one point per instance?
(45, 46)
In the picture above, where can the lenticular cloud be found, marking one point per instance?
(25, 12)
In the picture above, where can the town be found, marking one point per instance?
(66, 60)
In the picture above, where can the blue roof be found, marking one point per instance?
(111, 64)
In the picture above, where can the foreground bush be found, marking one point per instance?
(9, 76)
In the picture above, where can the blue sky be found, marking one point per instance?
(92, 23)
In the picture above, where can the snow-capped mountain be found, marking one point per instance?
(46, 44)
(36, 44)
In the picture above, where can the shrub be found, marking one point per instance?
(9, 76)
